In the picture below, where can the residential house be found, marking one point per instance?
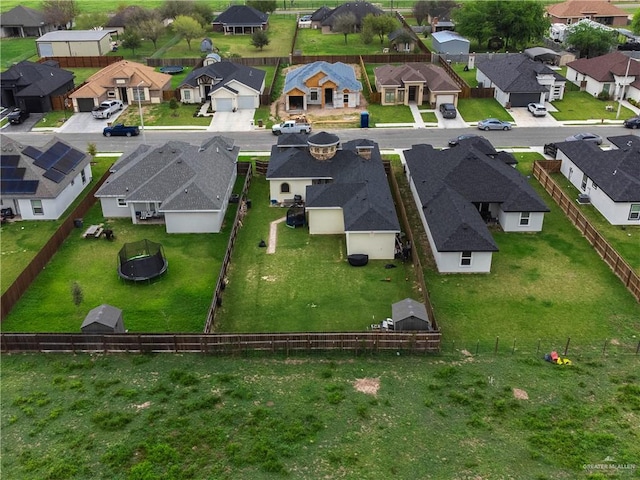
(30, 86)
(328, 85)
(344, 188)
(415, 83)
(603, 12)
(613, 74)
(229, 86)
(124, 80)
(40, 183)
(517, 80)
(119, 21)
(610, 178)
(358, 9)
(448, 42)
(461, 190)
(23, 21)
(183, 185)
(75, 43)
(240, 20)
(403, 40)
(319, 16)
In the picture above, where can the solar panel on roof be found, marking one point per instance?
(18, 186)
(55, 175)
(46, 160)
(68, 162)
(32, 152)
(59, 149)
(13, 173)
(9, 161)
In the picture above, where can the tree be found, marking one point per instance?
(151, 29)
(635, 23)
(188, 28)
(345, 24)
(76, 294)
(265, 6)
(259, 39)
(131, 39)
(472, 20)
(591, 41)
(440, 8)
(517, 23)
(380, 25)
(90, 21)
(60, 12)
(420, 11)
(173, 106)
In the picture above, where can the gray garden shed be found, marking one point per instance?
(103, 319)
(409, 314)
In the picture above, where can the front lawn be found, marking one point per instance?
(584, 106)
(162, 115)
(389, 114)
(475, 109)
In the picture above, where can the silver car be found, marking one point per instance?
(587, 137)
(493, 124)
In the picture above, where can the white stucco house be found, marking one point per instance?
(610, 178)
(229, 86)
(40, 183)
(461, 190)
(186, 187)
(344, 190)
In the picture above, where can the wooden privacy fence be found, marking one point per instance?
(83, 62)
(610, 256)
(29, 274)
(165, 62)
(220, 343)
(244, 168)
(376, 58)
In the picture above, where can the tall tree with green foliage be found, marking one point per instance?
(635, 23)
(420, 11)
(260, 39)
(89, 21)
(472, 21)
(517, 23)
(345, 24)
(187, 27)
(131, 40)
(60, 12)
(380, 25)
(152, 29)
(440, 8)
(591, 41)
(265, 6)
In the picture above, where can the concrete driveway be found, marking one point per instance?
(84, 122)
(523, 118)
(238, 121)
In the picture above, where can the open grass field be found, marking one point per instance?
(583, 106)
(314, 42)
(14, 50)
(353, 417)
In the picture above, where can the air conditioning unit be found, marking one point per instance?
(583, 198)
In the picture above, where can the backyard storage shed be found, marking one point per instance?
(74, 43)
(103, 319)
(450, 42)
(409, 314)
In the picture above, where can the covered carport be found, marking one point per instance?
(544, 55)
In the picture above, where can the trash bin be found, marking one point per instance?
(260, 124)
(248, 201)
(77, 222)
(364, 120)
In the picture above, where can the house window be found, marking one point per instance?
(465, 259)
(400, 96)
(594, 185)
(138, 94)
(583, 185)
(313, 95)
(634, 212)
(83, 176)
(111, 94)
(186, 94)
(389, 96)
(524, 218)
(284, 188)
(122, 202)
(36, 207)
(345, 98)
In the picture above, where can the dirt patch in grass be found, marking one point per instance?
(370, 386)
(520, 394)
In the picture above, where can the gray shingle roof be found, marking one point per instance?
(515, 73)
(340, 73)
(604, 67)
(182, 176)
(359, 186)
(224, 73)
(359, 9)
(36, 79)
(22, 16)
(449, 181)
(616, 172)
(241, 15)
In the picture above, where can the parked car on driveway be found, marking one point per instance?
(121, 130)
(537, 109)
(17, 116)
(587, 137)
(448, 110)
(632, 122)
(493, 124)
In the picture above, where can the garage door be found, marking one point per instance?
(523, 99)
(85, 104)
(246, 102)
(445, 99)
(223, 105)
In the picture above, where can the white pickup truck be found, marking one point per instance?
(107, 108)
(290, 126)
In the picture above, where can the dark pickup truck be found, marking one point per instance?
(121, 130)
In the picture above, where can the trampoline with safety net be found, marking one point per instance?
(141, 260)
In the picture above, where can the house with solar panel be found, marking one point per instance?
(464, 192)
(40, 183)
